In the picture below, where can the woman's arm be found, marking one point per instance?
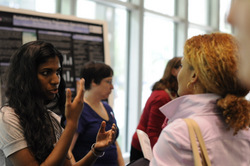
(103, 140)
(119, 155)
(73, 110)
(72, 158)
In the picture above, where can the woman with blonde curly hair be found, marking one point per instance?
(212, 96)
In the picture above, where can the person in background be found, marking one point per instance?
(210, 94)
(239, 17)
(98, 84)
(152, 119)
(30, 133)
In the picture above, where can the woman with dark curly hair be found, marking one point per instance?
(211, 95)
(30, 133)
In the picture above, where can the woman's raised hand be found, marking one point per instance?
(73, 109)
(105, 138)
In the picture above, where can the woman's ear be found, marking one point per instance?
(194, 77)
(93, 84)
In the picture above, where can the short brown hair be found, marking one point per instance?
(95, 71)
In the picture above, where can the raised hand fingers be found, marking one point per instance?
(68, 97)
(114, 128)
(114, 131)
(74, 109)
(80, 89)
(78, 102)
(102, 127)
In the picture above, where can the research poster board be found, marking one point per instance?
(79, 40)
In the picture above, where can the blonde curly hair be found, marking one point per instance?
(214, 57)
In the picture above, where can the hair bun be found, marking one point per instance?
(235, 111)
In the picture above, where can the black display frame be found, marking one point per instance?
(79, 40)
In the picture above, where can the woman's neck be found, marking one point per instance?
(91, 98)
(95, 103)
(198, 88)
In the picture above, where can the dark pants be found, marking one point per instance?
(135, 154)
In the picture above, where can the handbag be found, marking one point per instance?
(194, 132)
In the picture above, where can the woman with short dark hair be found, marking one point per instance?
(98, 83)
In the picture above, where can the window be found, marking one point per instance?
(86, 9)
(118, 39)
(37, 5)
(161, 6)
(224, 9)
(158, 49)
(42, 6)
(198, 11)
(195, 31)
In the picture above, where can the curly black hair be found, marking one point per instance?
(24, 95)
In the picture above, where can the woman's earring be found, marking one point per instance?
(188, 84)
(194, 87)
